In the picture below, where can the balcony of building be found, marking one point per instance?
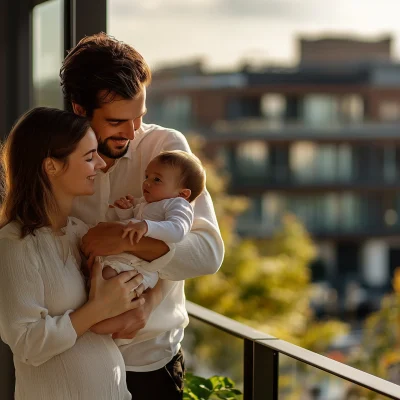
(282, 110)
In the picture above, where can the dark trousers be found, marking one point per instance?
(162, 384)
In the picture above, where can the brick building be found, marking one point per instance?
(319, 139)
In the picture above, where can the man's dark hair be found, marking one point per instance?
(100, 67)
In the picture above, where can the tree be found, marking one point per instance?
(267, 285)
(379, 351)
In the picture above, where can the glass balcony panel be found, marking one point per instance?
(48, 53)
(209, 351)
(298, 381)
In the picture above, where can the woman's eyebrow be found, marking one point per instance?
(90, 151)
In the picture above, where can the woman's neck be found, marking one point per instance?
(59, 222)
(64, 204)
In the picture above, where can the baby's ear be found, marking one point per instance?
(185, 193)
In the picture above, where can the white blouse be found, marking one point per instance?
(40, 285)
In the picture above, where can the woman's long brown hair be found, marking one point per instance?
(26, 191)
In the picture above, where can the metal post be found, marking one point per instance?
(15, 61)
(15, 98)
(7, 375)
(248, 369)
(80, 24)
(265, 373)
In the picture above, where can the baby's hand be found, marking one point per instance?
(125, 202)
(139, 229)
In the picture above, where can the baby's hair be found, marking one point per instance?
(193, 175)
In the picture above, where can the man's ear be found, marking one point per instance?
(185, 193)
(51, 167)
(78, 110)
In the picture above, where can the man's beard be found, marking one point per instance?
(104, 149)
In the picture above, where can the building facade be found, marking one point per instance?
(320, 140)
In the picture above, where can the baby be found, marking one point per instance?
(173, 180)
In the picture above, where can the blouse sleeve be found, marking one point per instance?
(25, 324)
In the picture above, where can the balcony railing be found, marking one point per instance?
(261, 359)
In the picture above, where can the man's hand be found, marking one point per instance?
(138, 229)
(106, 239)
(103, 240)
(133, 321)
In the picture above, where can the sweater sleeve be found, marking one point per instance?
(25, 324)
(201, 252)
(177, 224)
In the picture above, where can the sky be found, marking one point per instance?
(224, 32)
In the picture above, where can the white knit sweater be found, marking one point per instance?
(199, 253)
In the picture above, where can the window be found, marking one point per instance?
(48, 53)
(273, 107)
(389, 159)
(176, 111)
(273, 207)
(320, 110)
(345, 163)
(326, 163)
(352, 108)
(250, 222)
(302, 161)
(252, 159)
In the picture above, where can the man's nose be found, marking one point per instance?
(130, 130)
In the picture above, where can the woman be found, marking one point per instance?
(49, 158)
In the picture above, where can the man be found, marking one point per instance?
(106, 81)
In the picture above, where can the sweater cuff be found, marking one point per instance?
(161, 262)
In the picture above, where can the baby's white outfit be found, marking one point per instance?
(168, 220)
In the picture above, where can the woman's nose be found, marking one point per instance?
(100, 162)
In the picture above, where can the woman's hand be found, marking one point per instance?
(133, 321)
(127, 325)
(116, 295)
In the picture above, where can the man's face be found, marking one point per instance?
(115, 124)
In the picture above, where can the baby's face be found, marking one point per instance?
(161, 182)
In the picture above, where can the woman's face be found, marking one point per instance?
(77, 179)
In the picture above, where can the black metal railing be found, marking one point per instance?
(261, 359)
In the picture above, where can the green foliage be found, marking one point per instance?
(379, 352)
(216, 387)
(265, 284)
